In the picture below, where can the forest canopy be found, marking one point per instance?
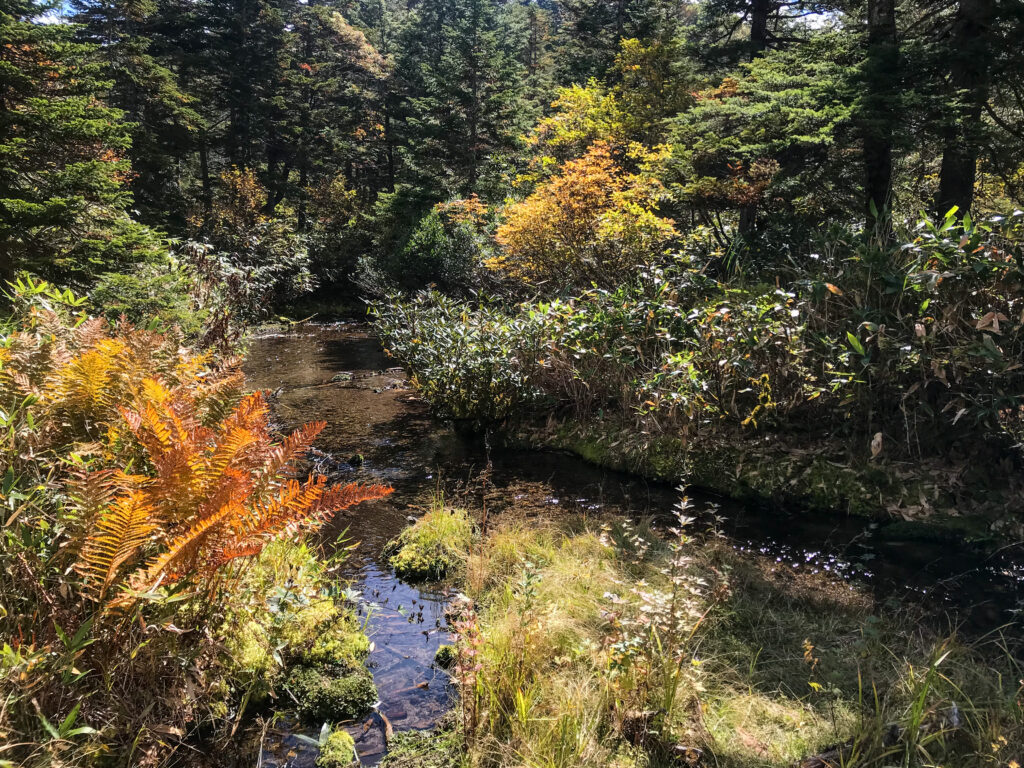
(126, 125)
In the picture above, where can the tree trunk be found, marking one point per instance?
(969, 62)
(879, 115)
(759, 10)
(389, 146)
(204, 176)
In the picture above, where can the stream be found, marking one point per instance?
(379, 431)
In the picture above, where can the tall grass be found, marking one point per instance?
(624, 644)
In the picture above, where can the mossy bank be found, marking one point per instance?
(920, 500)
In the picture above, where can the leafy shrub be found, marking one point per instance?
(338, 233)
(470, 365)
(246, 263)
(391, 222)
(921, 341)
(445, 249)
(593, 222)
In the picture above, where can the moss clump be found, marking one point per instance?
(340, 643)
(434, 547)
(339, 750)
(281, 614)
(446, 656)
(322, 695)
(281, 624)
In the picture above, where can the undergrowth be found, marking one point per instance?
(151, 583)
(622, 644)
(902, 358)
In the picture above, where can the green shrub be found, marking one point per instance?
(437, 252)
(867, 339)
(472, 364)
(150, 292)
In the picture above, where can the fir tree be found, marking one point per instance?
(146, 90)
(63, 154)
(464, 93)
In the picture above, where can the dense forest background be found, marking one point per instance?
(311, 141)
(772, 214)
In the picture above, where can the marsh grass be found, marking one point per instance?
(435, 546)
(801, 664)
(623, 644)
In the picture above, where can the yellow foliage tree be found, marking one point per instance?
(592, 222)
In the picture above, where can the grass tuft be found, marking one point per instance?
(434, 547)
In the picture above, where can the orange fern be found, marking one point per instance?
(214, 493)
(125, 528)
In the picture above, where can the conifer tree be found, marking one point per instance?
(335, 125)
(63, 164)
(147, 91)
(464, 92)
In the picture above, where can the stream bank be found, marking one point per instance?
(920, 501)
(380, 431)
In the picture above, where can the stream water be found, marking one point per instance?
(379, 431)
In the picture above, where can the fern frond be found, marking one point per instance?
(90, 333)
(124, 528)
(91, 492)
(292, 448)
(89, 495)
(219, 395)
(288, 510)
(308, 505)
(233, 552)
(182, 550)
(230, 451)
(337, 498)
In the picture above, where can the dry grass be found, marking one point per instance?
(780, 665)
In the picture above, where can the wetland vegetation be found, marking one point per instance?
(511, 383)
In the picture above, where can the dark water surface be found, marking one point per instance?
(339, 373)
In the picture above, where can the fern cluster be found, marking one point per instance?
(135, 470)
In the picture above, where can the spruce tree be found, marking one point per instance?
(147, 91)
(464, 81)
(63, 154)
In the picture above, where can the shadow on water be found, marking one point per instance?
(379, 431)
